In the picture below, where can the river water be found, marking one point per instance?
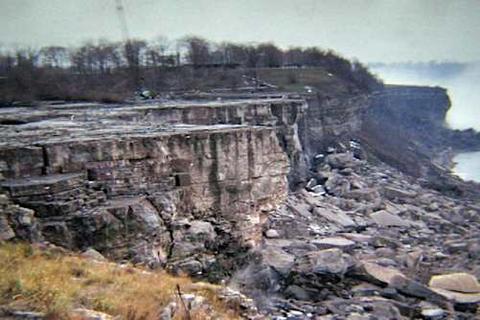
(464, 91)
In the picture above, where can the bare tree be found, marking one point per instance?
(270, 55)
(198, 50)
(54, 56)
(294, 56)
(252, 56)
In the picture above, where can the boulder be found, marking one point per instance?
(337, 217)
(459, 297)
(433, 313)
(386, 219)
(328, 262)
(341, 160)
(358, 237)
(297, 293)
(380, 274)
(334, 242)
(415, 289)
(191, 237)
(93, 255)
(201, 231)
(278, 259)
(189, 266)
(392, 193)
(455, 247)
(311, 183)
(459, 282)
(272, 234)
(364, 194)
(474, 250)
(318, 190)
(6, 232)
(337, 185)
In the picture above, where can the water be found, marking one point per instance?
(468, 166)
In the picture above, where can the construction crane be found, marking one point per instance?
(123, 20)
(133, 68)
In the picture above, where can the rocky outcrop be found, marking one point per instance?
(406, 126)
(153, 194)
(330, 120)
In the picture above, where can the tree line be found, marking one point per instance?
(130, 62)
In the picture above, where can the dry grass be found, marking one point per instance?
(56, 283)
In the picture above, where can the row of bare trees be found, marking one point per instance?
(124, 64)
(105, 56)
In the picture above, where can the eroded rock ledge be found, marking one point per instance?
(136, 184)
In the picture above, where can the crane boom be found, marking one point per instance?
(123, 20)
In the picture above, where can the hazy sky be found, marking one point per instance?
(371, 30)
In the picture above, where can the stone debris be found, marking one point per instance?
(459, 282)
(433, 313)
(458, 297)
(334, 242)
(272, 233)
(386, 219)
(278, 259)
(377, 240)
(329, 261)
(381, 274)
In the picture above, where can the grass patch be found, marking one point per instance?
(55, 282)
(315, 77)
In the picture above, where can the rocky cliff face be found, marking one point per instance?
(193, 186)
(330, 120)
(137, 190)
(164, 183)
(406, 127)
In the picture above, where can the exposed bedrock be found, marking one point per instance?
(142, 192)
(286, 116)
(190, 183)
(409, 122)
(184, 184)
(330, 120)
(405, 126)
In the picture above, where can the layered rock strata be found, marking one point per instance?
(135, 189)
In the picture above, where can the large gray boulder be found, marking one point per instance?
(386, 219)
(278, 259)
(459, 282)
(342, 160)
(324, 262)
